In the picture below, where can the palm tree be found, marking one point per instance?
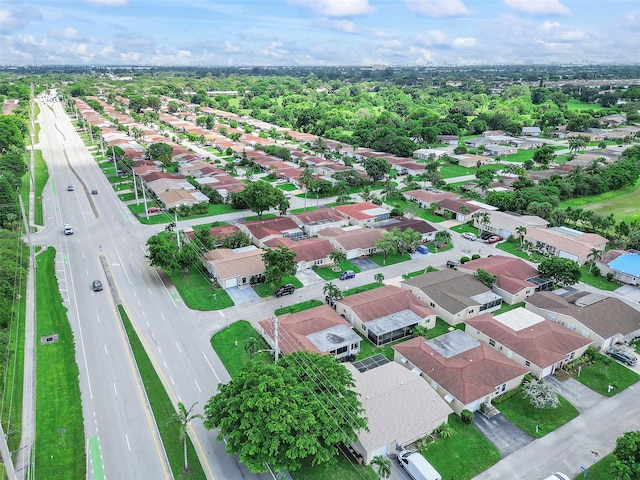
(338, 256)
(442, 237)
(306, 179)
(251, 346)
(594, 254)
(183, 417)
(331, 292)
(521, 231)
(383, 465)
(482, 219)
(378, 277)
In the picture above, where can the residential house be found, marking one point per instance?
(497, 150)
(565, 242)
(409, 168)
(354, 241)
(363, 213)
(468, 160)
(424, 228)
(624, 265)
(531, 131)
(460, 209)
(263, 230)
(429, 153)
(455, 296)
(464, 371)
(313, 221)
(317, 330)
(506, 224)
(217, 233)
(449, 139)
(425, 198)
(400, 407)
(309, 251)
(177, 198)
(539, 345)
(234, 267)
(604, 320)
(515, 279)
(385, 314)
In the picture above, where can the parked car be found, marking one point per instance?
(153, 210)
(287, 289)
(70, 188)
(622, 356)
(494, 239)
(97, 285)
(68, 229)
(347, 274)
(94, 192)
(423, 249)
(469, 236)
(453, 263)
(417, 466)
(557, 476)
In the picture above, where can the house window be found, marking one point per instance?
(471, 311)
(342, 350)
(364, 328)
(492, 342)
(354, 346)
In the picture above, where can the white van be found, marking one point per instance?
(557, 476)
(417, 466)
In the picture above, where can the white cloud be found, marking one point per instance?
(12, 20)
(554, 31)
(538, 7)
(109, 3)
(432, 37)
(423, 55)
(437, 8)
(634, 17)
(64, 34)
(336, 8)
(230, 48)
(464, 42)
(274, 50)
(343, 25)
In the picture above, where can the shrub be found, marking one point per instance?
(610, 276)
(465, 259)
(475, 256)
(466, 416)
(596, 271)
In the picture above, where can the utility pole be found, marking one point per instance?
(275, 335)
(144, 197)
(177, 231)
(135, 187)
(113, 154)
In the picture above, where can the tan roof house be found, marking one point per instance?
(516, 279)
(604, 320)
(425, 198)
(540, 345)
(565, 242)
(454, 296)
(354, 241)
(318, 330)
(385, 314)
(506, 224)
(176, 198)
(315, 220)
(382, 391)
(234, 267)
(464, 371)
(309, 251)
(363, 213)
(261, 231)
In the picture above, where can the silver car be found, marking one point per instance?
(622, 356)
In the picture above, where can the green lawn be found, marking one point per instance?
(465, 227)
(409, 275)
(513, 248)
(598, 378)
(578, 105)
(214, 209)
(198, 292)
(327, 273)
(41, 177)
(268, 290)
(448, 170)
(519, 411)
(126, 197)
(229, 342)
(600, 470)
(391, 259)
(58, 405)
(298, 307)
(264, 217)
(300, 210)
(622, 203)
(163, 409)
(406, 206)
(463, 456)
(344, 469)
(506, 308)
(287, 187)
(362, 288)
(599, 282)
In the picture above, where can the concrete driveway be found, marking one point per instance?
(364, 264)
(502, 433)
(241, 295)
(577, 394)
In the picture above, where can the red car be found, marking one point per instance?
(494, 239)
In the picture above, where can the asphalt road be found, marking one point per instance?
(176, 338)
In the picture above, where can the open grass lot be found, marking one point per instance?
(287, 187)
(298, 307)
(58, 404)
(300, 210)
(464, 227)
(156, 219)
(598, 378)
(513, 248)
(578, 105)
(392, 258)
(450, 171)
(268, 290)
(344, 469)
(229, 346)
(519, 411)
(41, 177)
(622, 203)
(163, 409)
(198, 292)
(126, 197)
(464, 455)
(409, 275)
(327, 273)
(600, 282)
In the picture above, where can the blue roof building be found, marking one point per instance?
(625, 265)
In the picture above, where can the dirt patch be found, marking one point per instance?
(9, 106)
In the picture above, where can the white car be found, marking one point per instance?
(469, 236)
(68, 229)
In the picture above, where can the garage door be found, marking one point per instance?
(231, 282)
(568, 255)
(380, 451)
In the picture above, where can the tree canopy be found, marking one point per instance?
(278, 263)
(287, 415)
(261, 196)
(562, 271)
(627, 455)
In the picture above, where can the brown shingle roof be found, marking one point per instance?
(306, 250)
(230, 263)
(512, 273)
(383, 301)
(270, 226)
(351, 239)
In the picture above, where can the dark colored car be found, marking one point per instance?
(453, 263)
(94, 192)
(70, 188)
(97, 285)
(622, 356)
(347, 274)
(287, 289)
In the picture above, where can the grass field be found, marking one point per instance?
(622, 203)
(298, 307)
(163, 409)
(197, 291)
(228, 343)
(267, 289)
(327, 273)
(598, 378)
(41, 177)
(578, 105)
(59, 424)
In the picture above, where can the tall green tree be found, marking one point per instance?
(562, 271)
(627, 456)
(377, 168)
(279, 262)
(183, 418)
(295, 412)
(484, 277)
(261, 196)
(161, 152)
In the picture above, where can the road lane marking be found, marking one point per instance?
(199, 389)
(211, 367)
(179, 349)
(147, 322)
(163, 317)
(96, 458)
(165, 364)
(105, 350)
(128, 444)
(153, 335)
(171, 378)
(115, 389)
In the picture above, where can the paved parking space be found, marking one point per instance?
(241, 295)
(364, 264)
(502, 433)
(576, 393)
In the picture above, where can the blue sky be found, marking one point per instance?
(318, 32)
